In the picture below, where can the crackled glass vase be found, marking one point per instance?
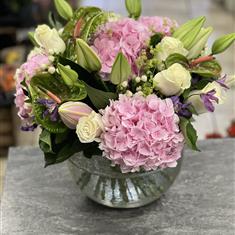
(106, 185)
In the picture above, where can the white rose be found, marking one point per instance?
(89, 128)
(197, 102)
(169, 46)
(172, 81)
(49, 39)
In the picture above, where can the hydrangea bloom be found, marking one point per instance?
(126, 35)
(141, 132)
(34, 64)
(159, 24)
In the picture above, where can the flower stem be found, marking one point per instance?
(202, 59)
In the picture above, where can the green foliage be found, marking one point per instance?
(100, 99)
(207, 69)
(222, 43)
(57, 148)
(89, 26)
(91, 79)
(53, 22)
(84, 14)
(31, 39)
(189, 133)
(46, 82)
(45, 142)
(121, 70)
(176, 58)
(155, 39)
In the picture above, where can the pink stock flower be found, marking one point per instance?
(31, 67)
(126, 35)
(141, 133)
(159, 24)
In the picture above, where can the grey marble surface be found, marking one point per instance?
(46, 201)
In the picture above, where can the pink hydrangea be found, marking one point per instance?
(159, 24)
(126, 35)
(141, 133)
(35, 64)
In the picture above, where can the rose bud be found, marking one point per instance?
(70, 113)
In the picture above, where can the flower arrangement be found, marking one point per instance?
(124, 88)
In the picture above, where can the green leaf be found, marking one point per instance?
(32, 40)
(55, 85)
(69, 76)
(222, 43)
(187, 32)
(64, 149)
(89, 78)
(189, 133)
(45, 142)
(100, 99)
(176, 58)
(89, 26)
(82, 15)
(207, 69)
(155, 39)
(58, 87)
(64, 9)
(121, 70)
(202, 83)
(134, 8)
(53, 22)
(86, 57)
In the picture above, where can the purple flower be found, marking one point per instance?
(208, 99)
(51, 109)
(29, 127)
(182, 109)
(221, 81)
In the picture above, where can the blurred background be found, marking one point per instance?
(17, 18)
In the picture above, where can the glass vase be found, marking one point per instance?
(106, 185)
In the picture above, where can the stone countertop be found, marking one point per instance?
(46, 201)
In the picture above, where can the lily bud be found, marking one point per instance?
(189, 31)
(68, 75)
(64, 9)
(222, 43)
(200, 42)
(70, 113)
(121, 70)
(134, 8)
(86, 57)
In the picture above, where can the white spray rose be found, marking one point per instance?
(172, 81)
(89, 128)
(49, 39)
(197, 102)
(168, 46)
